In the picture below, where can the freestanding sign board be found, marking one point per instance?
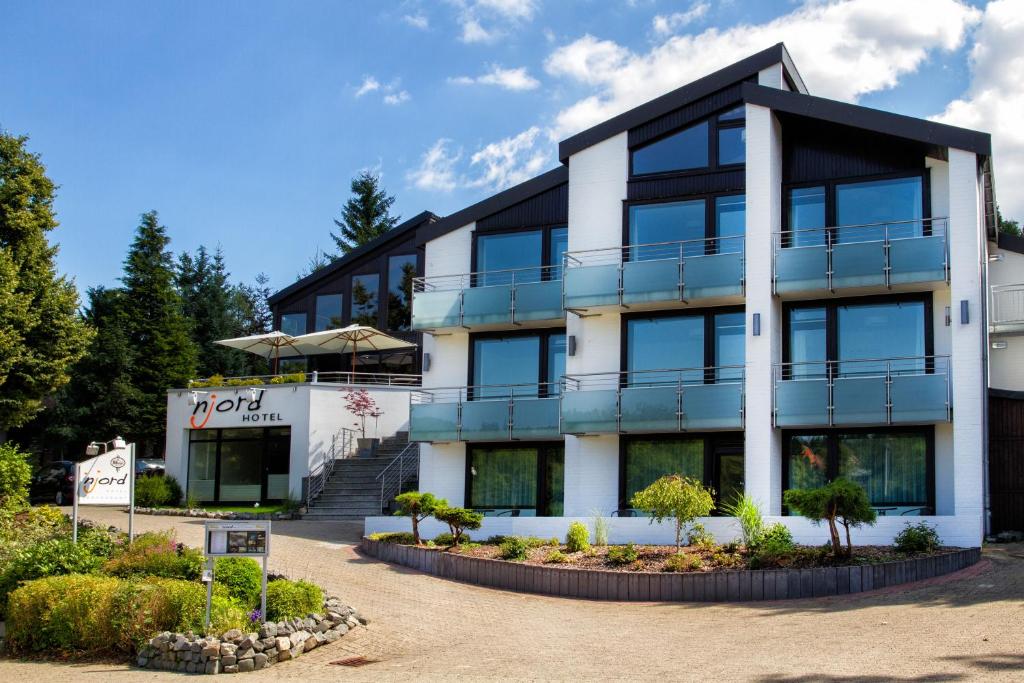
(107, 479)
(236, 539)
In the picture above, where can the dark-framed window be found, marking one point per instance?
(714, 459)
(535, 254)
(685, 219)
(242, 465)
(859, 201)
(534, 359)
(365, 299)
(696, 340)
(718, 141)
(401, 271)
(293, 323)
(856, 335)
(329, 312)
(895, 465)
(523, 479)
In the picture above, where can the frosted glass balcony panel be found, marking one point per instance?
(650, 409)
(588, 412)
(485, 420)
(434, 422)
(487, 305)
(801, 402)
(591, 286)
(801, 269)
(539, 301)
(711, 276)
(713, 406)
(859, 400)
(535, 418)
(431, 310)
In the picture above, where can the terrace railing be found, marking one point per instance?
(343, 445)
(1007, 310)
(386, 379)
(396, 475)
(485, 413)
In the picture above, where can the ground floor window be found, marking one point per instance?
(520, 480)
(715, 460)
(239, 465)
(896, 467)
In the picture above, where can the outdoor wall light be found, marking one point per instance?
(253, 392)
(999, 345)
(757, 325)
(949, 317)
(965, 312)
(570, 347)
(426, 362)
(995, 257)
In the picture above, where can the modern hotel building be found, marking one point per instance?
(737, 281)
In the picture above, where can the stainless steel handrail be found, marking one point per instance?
(482, 392)
(342, 446)
(315, 377)
(702, 375)
(391, 484)
(501, 277)
(661, 250)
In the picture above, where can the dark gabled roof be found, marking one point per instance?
(898, 125)
(397, 233)
(495, 203)
(734, 73)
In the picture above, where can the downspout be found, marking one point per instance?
(986, 379)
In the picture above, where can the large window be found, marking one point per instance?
(293, 324)
(239, 465)
(328, 312)
(516, 480)
(717, 461)
(365, 298)
(401, 271)
(893, 466)
(533, 255)
(718, 141)
(535, 363)
(691, 221)
(661, 345)
(862, 337)
(558, 244)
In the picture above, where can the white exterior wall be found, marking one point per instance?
(1006, 365)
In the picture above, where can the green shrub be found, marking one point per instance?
(917, 538)
(774, 549)
(156, 553)
(458, 520)
(840, 501)
(577, 540)
(622, 554)
(699, 536)
(554, 542)
(401, 537)
(446, 539)
(417, 507)
(156, 491)
(289, 599)
(53, 557)
(556, 557)
(490, 540)
(174, 492)
(681, 499)
(683, 562)
(15, 476)
(242, 577)
(600, 529)
(514, 548)
(29, 526)
(748, 515)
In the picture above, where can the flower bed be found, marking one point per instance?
(214, 514)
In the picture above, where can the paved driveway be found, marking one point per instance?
(424, 628)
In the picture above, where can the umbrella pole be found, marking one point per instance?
(355, 344)
(277, 358)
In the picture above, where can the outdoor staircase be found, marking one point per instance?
(353, 490)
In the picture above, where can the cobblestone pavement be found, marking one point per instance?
(968, 626)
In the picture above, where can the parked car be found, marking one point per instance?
(54, 482)
(148, 467)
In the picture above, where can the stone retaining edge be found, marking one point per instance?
(741, 585)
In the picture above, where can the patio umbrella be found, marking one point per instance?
(270, 344)
(349, 339)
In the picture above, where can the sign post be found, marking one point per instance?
(236, 539)
(106, 479)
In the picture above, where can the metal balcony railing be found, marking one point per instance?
(671, 400)
(652, 273)
(499, 297)
(485, 413)
(875, 254)
(386, 379)
(880, 391)
(1007, 310)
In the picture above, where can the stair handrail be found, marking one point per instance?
(391, 484)
(342, 446)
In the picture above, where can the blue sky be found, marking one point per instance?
(242, 123)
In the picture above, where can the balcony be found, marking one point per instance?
(518, 412)
(879, 255)
(1007, 314)
(488, 301)
(850, 393)
(655, 275)
(664, 401)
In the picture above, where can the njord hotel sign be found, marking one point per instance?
(242, 408)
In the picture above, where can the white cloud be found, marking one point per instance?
(369, 85)
(418, 20)
(509, 161)
(509, 79)
(995, 98)
(398, 97)
(664, 24)
(473, 32)
(843, 50)
(436, 171)
(497, 14)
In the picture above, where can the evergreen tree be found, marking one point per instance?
(156, 328)
(365, 216)
(208, 303)
(321, 259)
(254, 317)
(41, 336)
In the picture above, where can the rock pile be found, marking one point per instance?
(237, 652)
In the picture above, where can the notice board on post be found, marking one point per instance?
(238, 539)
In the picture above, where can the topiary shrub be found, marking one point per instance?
(290, 599)
(446, 539)
(242, 577)
(840, 501)
(514, 548)
(458, 520)
(401, 537)
(681, 499)
(683, 562)
(917, 538)
(156, 553)
(622, 554)
(577, 539)
(417, 507)
(15, 476)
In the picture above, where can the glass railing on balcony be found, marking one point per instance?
(885, 391)
(485, 413)
(1007, 309)
(877, 254)
(654, 273)
(647, 401)
(501, 297)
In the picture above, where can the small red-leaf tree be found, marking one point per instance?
(361, 404)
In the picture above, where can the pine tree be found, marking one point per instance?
(208, 303)
(255, 316)
(41, 335)
(365, 216)
(156, 328)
